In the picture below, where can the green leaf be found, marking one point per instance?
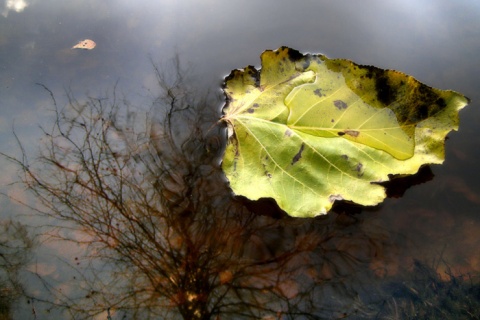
(306, 130)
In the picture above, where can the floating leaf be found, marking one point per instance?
(306, 130)
(86, 44)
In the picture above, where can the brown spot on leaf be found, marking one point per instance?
(293, 55)
(318, 92)
(250, 110)
(340, 105)
(254, 74)
(427, 103)
(297, 157)
(386, 93)
(359, 169)
(288, 133)
(264, 164)
(352, 133)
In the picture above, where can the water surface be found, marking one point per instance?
(349, 263)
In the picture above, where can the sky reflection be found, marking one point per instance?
(435, 41)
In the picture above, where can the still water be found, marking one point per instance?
(215, 256)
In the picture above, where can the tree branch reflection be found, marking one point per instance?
(15, 246)
(164, 235)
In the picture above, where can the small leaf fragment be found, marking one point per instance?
(86, 44)
(307, 131)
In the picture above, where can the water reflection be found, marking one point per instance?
(164, 237)
(15, 247)
(14, 5)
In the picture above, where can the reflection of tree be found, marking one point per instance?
(424, 295)
(15, 245)
(153, 203)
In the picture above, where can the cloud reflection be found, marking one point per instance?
(14, 5)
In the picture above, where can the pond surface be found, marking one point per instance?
(419, 247)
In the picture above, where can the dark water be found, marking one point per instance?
(229, 257)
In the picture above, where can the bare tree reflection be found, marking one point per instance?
(15, 246)
(165, 235)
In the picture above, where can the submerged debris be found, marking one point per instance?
(86, 44)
